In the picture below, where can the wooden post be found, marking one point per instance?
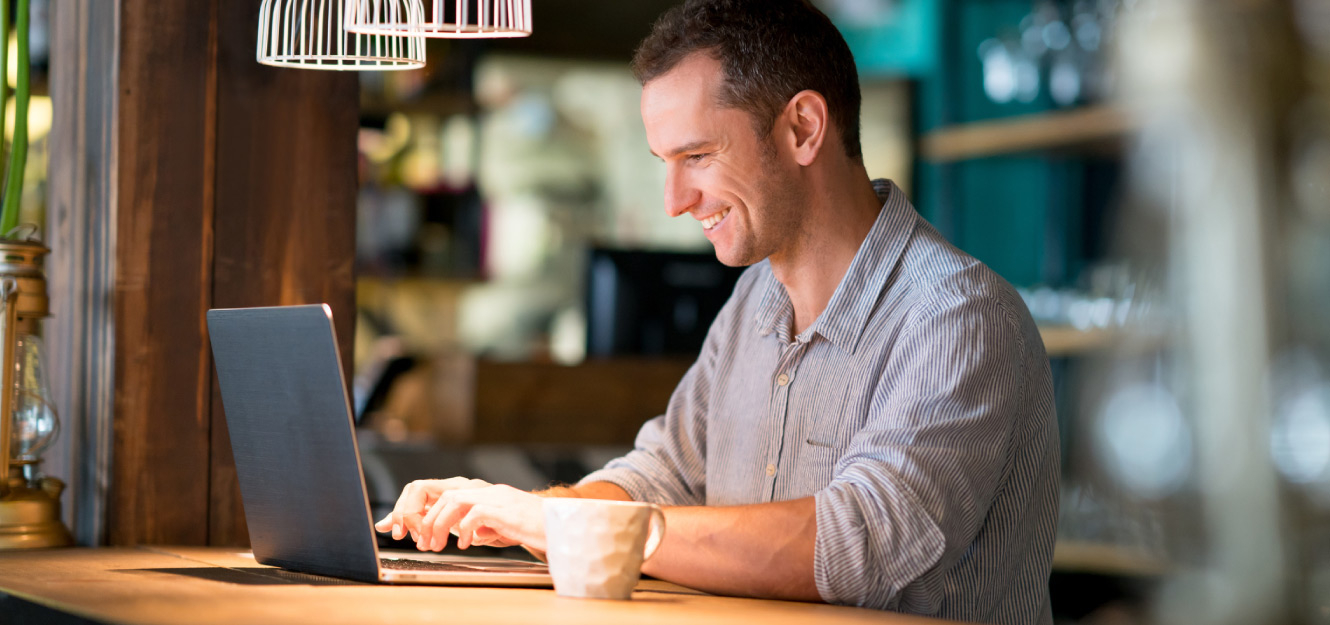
(233, 185)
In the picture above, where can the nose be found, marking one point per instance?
(680, 195)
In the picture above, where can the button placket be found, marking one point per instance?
(786, 367)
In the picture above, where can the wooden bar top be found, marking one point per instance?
(174, 585)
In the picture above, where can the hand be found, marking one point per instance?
(477, 512)
(415, 502)
(491, 515)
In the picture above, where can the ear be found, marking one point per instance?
(807, 118)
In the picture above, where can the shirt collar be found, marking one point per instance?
(852, 303)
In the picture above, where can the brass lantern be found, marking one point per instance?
(29, 501)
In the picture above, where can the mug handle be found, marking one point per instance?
(657, 532)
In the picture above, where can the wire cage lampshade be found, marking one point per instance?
(441, 18)
(311, 34)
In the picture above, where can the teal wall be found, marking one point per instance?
(1019, 214)
(905, 44)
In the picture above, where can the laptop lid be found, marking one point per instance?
(294, 440)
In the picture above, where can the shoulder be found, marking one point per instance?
(959, 296)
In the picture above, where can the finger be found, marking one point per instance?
(417, 497)
(399, 507)
(485, 535)
(443, 515)
(389, 524)
(427, 530)
(446, 523)
(432, 515)
(420, 495)
(498, 541)
(406, 514)
(471, 524)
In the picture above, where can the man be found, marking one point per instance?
(870, 420)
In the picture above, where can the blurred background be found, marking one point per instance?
(1153, 175)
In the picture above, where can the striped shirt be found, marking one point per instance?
(917, 410)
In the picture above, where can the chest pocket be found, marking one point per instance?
(836, 425)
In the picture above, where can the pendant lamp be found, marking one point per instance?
(441, 18)
(311, 34)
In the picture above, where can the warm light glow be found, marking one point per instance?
(12, 63)
(40, 114)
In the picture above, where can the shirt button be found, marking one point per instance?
(783, 379)
(771, 469)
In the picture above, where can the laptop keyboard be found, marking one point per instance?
(408, 564)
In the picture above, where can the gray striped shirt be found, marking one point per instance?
(917, 410)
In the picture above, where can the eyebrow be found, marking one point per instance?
(688, 147)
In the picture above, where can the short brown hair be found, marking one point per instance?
(770, 50)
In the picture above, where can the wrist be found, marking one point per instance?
(560, 491)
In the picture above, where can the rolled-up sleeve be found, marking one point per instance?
(913, 489)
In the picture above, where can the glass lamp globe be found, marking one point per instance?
(35, 423)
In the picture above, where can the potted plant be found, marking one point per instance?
(18, 153)
(17, 156)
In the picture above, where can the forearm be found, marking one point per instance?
(593, 490)
(761, 550)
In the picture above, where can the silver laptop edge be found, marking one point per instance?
(306, 503)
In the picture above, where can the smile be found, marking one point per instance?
(710, 222)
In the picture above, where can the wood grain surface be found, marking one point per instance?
(151, 586)
(284, 223)
(236, 187)
(163, 273)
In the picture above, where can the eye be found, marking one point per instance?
(697, 158)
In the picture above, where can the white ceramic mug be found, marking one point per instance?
(596, 547)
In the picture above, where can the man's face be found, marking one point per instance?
(735, 183)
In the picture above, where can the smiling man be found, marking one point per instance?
(870, 421)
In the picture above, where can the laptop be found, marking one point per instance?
(296, 456)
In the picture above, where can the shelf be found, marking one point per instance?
(1105, 559)
(1059, 129)
(1066, 340)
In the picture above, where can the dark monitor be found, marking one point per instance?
(653, 303)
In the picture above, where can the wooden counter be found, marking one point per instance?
(149, 586)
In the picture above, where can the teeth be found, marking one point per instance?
(710, 222)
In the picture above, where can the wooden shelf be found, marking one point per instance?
(1104, 559)
(1066, 340)
(1059, 129)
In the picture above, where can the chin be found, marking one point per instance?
(731, 259)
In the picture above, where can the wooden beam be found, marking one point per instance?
(286, 202)
(228, 184)
(163, 273)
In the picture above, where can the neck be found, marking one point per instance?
(840, 210)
